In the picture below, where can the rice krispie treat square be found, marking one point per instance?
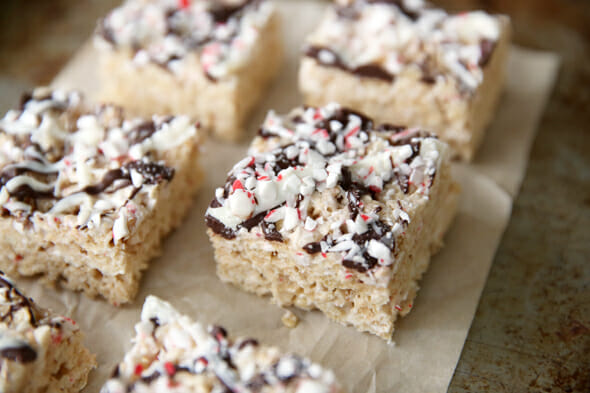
(210, 59)
(39, 352)
(332, 212)
(172, 353)
(406, 62)
(86, 196)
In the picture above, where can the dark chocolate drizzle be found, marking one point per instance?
(141, 132)
(220, 13)
(312, 248)
(413, 15)
(219, 228)
(379, 231)
(23, 192)
(270, 232)
(18, 301)
(371, 70)
(246, 342)
(21, 354)
(152, 173)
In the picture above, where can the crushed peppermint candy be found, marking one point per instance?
(382, 39)
(222, 34)
(319, 178)
(83, 167)
(172, 350)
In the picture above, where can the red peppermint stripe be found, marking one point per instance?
(237, 185)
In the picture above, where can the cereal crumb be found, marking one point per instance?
(289, 319)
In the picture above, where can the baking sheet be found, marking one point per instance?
(428, 341)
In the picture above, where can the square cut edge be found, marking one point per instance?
(370, 299)
(222, 106)
(437, 106)
(57, 249)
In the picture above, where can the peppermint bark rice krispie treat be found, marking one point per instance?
(87, 196)
(211, 59)
(39, 352)
(332, 212)
(406, 62)
(172, 353)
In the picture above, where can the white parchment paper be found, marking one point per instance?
(428, 341)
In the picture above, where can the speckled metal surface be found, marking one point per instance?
(531, 332)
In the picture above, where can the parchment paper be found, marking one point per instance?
(428, 341)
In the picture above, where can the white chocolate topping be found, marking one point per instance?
(315, 158)
(90, 168)
(221, 33)
(172, 353)
(399, 36)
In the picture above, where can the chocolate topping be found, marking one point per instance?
(221, 13)
(18, 301)
(373, 71)
(141, 132)
(270, 232)
(246, 342)
(312, 248)
(23, 354)
(219, 228)
(152, 174)
(365, 70)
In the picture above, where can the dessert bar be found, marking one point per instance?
(407, 62)
(39, 351)
(333, 212)
(172, 353)
(210, 59)
(86, 196)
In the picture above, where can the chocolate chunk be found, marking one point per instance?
(152, 173)
(282, 162)
(23, 354)
(270, 232)
(219, 228)
(215, 203)
(361, 267)
(373, 71)
(312, 248)
(253, 221)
